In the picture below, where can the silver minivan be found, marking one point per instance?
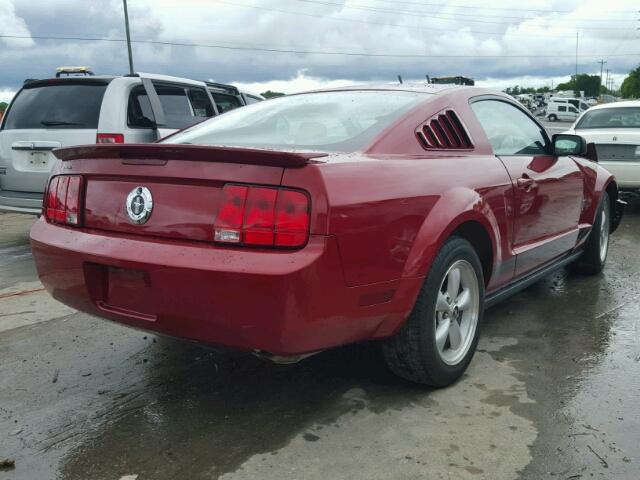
(73, 110)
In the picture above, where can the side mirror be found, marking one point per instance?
(565, 144)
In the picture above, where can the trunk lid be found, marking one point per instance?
(614, 145)
(185, 183)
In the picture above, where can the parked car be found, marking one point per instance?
(614, 128)
(556, 112)
(561, 111)
(287, 227)
(72, 110)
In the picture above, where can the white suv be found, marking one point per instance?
(67, 111)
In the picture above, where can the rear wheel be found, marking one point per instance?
(438, 340)
(596, 249)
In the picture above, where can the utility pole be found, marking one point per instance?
(601, 62)
(126, 26)
(607, 81)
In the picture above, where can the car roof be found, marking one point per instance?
(430, 88)
(108, 78)
(627, 103)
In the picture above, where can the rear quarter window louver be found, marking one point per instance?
(444, 131)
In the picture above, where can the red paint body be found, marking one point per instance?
(378, 217)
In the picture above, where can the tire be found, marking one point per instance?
(552, 118)
(416, 352)
(594, 256)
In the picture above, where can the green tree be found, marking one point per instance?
(3, 106)
(270, 94)
(631, 84)
(589, 84)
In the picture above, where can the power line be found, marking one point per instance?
(475, 7)
(438, 16)
(298, 52)
(389, 24)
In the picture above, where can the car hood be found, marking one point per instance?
(612, 135)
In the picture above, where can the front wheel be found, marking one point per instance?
(552, 118)
(438, 340)
(596, 249)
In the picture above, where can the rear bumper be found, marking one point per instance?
(20, 202)
(627, 173)
(281, 302)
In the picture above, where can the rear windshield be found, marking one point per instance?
(341, 121)
(621, 117)
(56, 106)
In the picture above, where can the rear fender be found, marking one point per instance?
(597, 181)
(455, 207)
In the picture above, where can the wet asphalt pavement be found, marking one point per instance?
(553, 392)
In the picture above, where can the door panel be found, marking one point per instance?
(548, 190)
(548, 200)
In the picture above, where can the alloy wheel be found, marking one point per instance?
(457, 312)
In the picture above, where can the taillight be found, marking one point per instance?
(267, 216)
(62, 203)
(110, 138)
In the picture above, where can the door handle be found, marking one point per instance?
(525, 182)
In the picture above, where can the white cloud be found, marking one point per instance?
(13, 25)
(524, 43)
(6, 95)
(300, 83)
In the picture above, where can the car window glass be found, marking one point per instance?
(625, 117)
(200, 102)
(176, 105)
(573, 109)
(562, 109)
(57, 106)
(510, 130)
(341, 121)
(225, 102)
(139, 112)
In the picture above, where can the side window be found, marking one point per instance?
(139, 113)
(509, 129)
(562, 109)
(200, 103)
(176, 106)
(225, 102)
(573, 110)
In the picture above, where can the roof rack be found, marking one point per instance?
(68, 71)
(224, 87)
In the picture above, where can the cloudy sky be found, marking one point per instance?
(292, 45)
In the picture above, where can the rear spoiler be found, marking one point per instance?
(163, 152)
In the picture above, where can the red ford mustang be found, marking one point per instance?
(321, 219)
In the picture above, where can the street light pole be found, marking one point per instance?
(126, 26)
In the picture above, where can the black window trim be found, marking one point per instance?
(480, 98)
